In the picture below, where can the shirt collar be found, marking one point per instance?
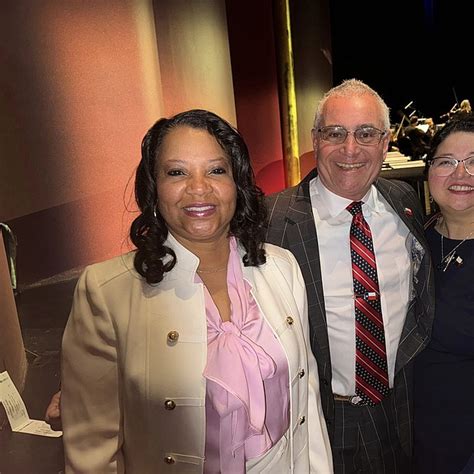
(332, 208)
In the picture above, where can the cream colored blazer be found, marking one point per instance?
(133, 354)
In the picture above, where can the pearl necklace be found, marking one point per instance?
(450, 256)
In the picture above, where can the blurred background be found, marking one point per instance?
(81, 81)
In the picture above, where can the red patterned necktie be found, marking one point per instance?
(371, 357)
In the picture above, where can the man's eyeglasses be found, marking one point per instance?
(336, 135)
(445, 166)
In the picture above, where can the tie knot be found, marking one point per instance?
(355, 207)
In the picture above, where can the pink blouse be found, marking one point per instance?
(247, 397)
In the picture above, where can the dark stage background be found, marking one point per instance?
(408, 50)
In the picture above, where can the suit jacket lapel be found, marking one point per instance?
(406, 214)
(303, 243)
(415, 331)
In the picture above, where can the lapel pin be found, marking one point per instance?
(408, 212)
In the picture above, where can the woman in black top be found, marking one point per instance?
(444, 371)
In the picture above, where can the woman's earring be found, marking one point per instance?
(154, 212)
(431, 200)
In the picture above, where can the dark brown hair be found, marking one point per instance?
(149, 230)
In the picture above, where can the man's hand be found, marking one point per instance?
(53, 412)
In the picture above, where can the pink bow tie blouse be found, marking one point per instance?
(247, 398)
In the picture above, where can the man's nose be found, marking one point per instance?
(350, 144)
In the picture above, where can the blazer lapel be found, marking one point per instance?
(303, 243)
(406, 213)
(415, 331)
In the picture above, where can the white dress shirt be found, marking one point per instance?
(391, 239)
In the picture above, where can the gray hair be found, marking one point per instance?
(348, 88)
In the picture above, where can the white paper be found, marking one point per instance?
(17, 413)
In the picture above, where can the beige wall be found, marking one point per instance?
(82, 81)
(194, 56)
(77, 103)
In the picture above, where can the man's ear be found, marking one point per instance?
(386, 142)
(314, 137)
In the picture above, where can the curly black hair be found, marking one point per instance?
(149, 231)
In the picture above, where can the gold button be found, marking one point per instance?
(302, 420)
(301, 373)
(169, 460)
(170, 404)
(289, 320)
(173, 337)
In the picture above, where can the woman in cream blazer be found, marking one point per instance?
(136, 397)
(139, 406)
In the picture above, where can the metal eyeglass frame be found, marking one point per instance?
(382, 133)
(452, 160)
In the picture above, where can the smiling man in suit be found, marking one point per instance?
(360, 244)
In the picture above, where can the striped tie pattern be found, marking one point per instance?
(371, 358)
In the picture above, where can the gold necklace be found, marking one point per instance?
(212, 270)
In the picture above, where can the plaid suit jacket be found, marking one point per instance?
(292, 226)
